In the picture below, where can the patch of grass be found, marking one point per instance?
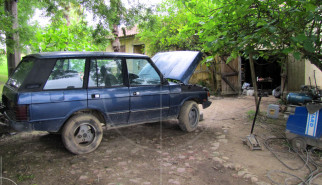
(3, 78)
(22, 177)
(250, 114)
(3, 66)
(3, 71)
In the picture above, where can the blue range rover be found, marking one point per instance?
(76, 93)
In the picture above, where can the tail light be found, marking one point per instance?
(21, 112)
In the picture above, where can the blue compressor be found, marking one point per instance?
(304, 126)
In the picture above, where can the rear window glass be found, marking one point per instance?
(105, 73)
(21, 72)
(67, 74)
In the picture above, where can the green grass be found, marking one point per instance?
(3, 71)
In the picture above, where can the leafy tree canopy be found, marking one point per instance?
(167, 30)
(68, 29)
(245, 27)
(25, 12)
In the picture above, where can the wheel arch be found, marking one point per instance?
(195, 99)
(98, 114)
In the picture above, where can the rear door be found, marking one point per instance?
(149, 99)
(106, 89)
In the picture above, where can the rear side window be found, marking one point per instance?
(21, 72)
(105, 73)
(67, 74)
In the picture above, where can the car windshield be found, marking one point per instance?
(21, 72)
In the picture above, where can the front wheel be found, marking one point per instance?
(189, 116)
(82, 134)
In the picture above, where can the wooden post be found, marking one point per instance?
(284, 79)
(252, 70)
(12, 37)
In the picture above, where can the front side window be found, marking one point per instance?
(21, 72)
(67, 74)
(105, 73)
(141, 72)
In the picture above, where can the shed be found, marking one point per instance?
(301, 72)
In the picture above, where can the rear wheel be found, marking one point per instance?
(189, 116)
(82, 134)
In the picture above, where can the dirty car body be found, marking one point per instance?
(75, 93)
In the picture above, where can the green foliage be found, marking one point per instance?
(282, 27)
(75, 37)
(68, 30)
(168, 30)
(235, 28)
(25, 11)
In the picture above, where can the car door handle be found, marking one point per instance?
(136, 93)
(95, 96)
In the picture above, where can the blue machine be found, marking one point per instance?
(298, 98)
(304, 127)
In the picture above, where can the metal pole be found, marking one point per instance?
(253, 75)
(257, 108)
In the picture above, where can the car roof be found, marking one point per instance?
(75, 54)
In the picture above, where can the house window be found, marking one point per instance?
(122, 48)
(138, 49)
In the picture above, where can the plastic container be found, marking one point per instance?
(273, 111)
(250, 92)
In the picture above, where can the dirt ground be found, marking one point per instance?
(158, 153)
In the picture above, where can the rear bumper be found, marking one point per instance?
(18, 126)
(206, 104)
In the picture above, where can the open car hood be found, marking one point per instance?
(177, 65)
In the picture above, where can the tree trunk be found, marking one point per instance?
(12, 38)
(116, 43)
(252, 70)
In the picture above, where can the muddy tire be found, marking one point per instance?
(82, 134)
(189, 116)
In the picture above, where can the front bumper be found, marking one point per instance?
(206, 104)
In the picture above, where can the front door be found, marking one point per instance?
(106, 90)
(149, 99)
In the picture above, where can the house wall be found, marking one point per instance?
(128, 42)
(309, 72)
(299, 71)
